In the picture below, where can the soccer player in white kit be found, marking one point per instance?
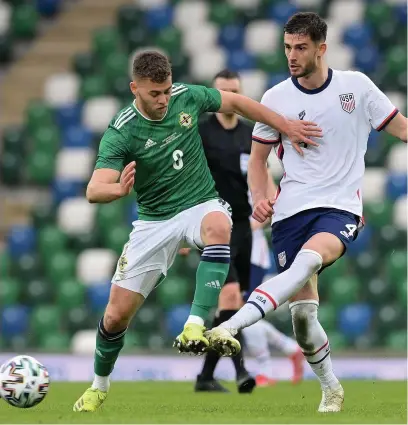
(318, 211)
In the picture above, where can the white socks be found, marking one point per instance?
(276, 291)
(101, 383)
(313, 341)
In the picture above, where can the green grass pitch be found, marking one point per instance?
(175, 402)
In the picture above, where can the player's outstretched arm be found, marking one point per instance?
(104, 186)
(259, 182)
(297, 131)
(398, 127)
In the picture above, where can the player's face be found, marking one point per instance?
(152, 97)
(303, 54)
(232, 85)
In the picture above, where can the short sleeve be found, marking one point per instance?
(378, 108)
(207, 99)
(262, 133)
(113, 150)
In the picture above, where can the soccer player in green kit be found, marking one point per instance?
(154, 147)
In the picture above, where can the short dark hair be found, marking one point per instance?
(151, 65)
(307, 23)
(227, 74)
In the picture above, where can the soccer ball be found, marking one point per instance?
(24, 381)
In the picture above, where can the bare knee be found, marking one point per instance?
(330, 247)
(230, 297)
(215, 229)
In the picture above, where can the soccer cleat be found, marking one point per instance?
(209, 385)
(332, 400)
(264, 381)
(245, 383)
(192, 340)
(298, 362)
(90, 400)
(223, 342)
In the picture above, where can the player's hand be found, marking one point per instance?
(263, 210)
(184, 251)
(127, 179)
(301, 131)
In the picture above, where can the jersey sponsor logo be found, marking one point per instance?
(301, 115)
(348, 103)
(213, 284)
(170, 139)
(149, 143)
(282, 258)
(185, 119)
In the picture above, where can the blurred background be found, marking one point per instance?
(64, 73)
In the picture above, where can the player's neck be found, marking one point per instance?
(228, 121)
(316, 79)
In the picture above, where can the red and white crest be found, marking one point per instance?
(347, 102)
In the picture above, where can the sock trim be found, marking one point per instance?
(319, 361)
(311, 251)
(274, 303)
(258, 307)
(315, 302)
(216, 254)
(319, 349)
(108, 336)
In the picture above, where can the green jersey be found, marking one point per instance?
(171, 169)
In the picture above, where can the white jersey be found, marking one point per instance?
(345, 108)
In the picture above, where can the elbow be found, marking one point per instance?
(90, 196)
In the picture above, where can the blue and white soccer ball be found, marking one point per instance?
(24, 381)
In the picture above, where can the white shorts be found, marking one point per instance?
(153, 246)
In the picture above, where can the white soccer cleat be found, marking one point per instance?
(222, 341)
(332, 400)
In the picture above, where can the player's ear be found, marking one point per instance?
(133, 87)
(322, 49)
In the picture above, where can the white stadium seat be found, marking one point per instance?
(398, 100)
(304, 4)
(275, 166)
(95, 266)
(334, 32)
(74, 164)
(83, 342)
(397, 158)
(201, 38)
(76, 216)
(190, 13)
(347, 12)
(400, 212)
(204, 65)
(262, 36)
(99, 111)
(253, 83)
(5, 17)
(61, 89)
(245, 4)
(373, 189)
(150, 4)
(339, 57)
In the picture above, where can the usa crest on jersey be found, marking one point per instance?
(347, 102)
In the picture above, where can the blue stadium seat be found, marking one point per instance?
(275, 79)
(132, 214)
(48, 8)
(64, 189)
(159, 18)
(21, 240)
(355, 320)
(68, 116)
(176, 318)
(357, 36)
(282, 11)
(396, 186)
(14, 320)
(400, 11)
(362, 243)
(367, 60)
(77, 137)
(98, 296)
(240, 60)
(374, 140)
(231, 37)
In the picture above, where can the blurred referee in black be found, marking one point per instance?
(227, 145)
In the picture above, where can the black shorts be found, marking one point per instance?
(241, 247)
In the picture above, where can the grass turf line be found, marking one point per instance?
(175, 402)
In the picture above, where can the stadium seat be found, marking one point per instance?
(21, 240)
(396, 185)
(10, 290)
(115, 66)
(6, 48)
(222, 13)
(157, 18)
(11, 164)
(147, 5)
(343, 291)
(98, 113)
(109, 215)
(241, 60)
(338, 341)
(45, 319)
(5, 263)
(5, 17)
(82, 241)
(231, 37)
(43, 214)
(378, 214)
(367, 263)
(190, 14)
(27, 266)
(38, 291)
(245, 4)
(14, 139)
(275, 63)
(24, 21)
(340, 57)
(400, 213)
(61, 89)
(363, 241)
(396, 266)
(85, 64)
(39, 115)
(46, 140)
(199, 39)
(262, 37)
(374, 181)
(83, 342)
(173, 291)
(51, 239)
(115, 237)
(355, 320)
(76, 216)
(397, 159)
(76, 136)
(281, 11)
(137, 38)
(379, 291)
(206, 64)
(65, 189)
(391, 317)
(68, 116)
(148, 319)
(358, 36)
(367, 60)
(176, 318)
(132, 214)
(14, 321)
(397, 340)
(54, 342)
(93, 86)
(98, 295)
(128, 17)
(253, 84)
(95, 265)
(60, 266)
(347, 12)
(390, 238)
(49, 8)
(83, 158)
(105, 41)
(78, 318)
(328, 316)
